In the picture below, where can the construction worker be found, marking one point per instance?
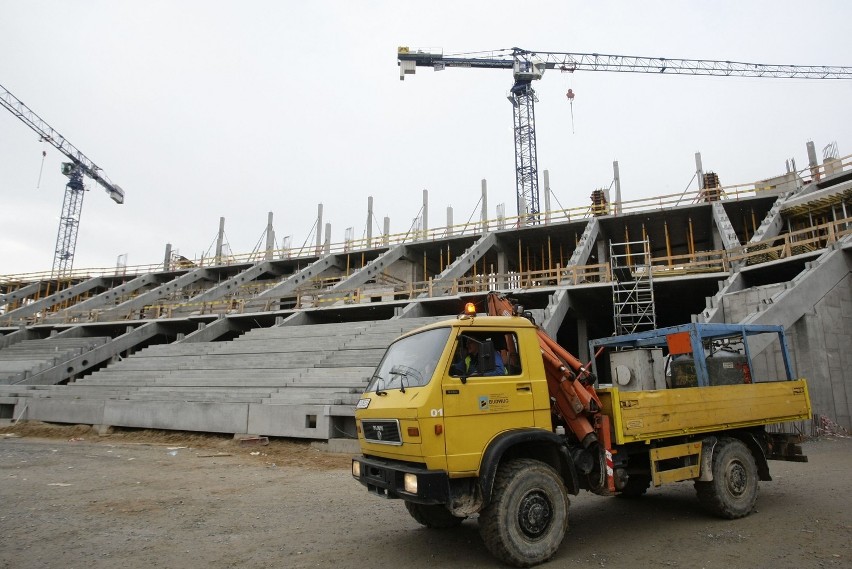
(467, 366)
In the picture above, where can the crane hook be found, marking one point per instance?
(570, 96)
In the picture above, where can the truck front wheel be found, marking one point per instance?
(733, 491)
(433, 516)
(528, 515)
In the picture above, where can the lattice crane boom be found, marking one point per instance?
(528, 66)
(80, 165)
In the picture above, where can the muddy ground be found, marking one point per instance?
(71, 499)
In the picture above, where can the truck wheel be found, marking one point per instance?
(733, 491)
(433, 516)
(528, 514)
(636, 486)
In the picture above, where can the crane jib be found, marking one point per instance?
(570, 62)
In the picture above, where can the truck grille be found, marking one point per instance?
(383, 431)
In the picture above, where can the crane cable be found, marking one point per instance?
(41, 169)
(570, 96)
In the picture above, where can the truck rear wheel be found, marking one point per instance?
(733, 491)
(528, 515)
(433, 516)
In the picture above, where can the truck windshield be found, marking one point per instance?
(410, 362)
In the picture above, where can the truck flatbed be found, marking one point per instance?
(648, 415)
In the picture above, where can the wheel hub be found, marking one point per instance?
(535, 514)
(736, 479)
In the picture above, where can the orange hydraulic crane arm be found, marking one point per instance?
(575, 402)
(574, 398)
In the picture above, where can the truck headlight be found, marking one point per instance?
(409, 483)
(356, 469)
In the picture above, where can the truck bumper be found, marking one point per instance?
(386, 478)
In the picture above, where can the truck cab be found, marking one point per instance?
(425, 407)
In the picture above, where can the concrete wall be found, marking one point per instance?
(820, 343)
(300, 421)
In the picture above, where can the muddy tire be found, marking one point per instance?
(733, 491)
(636, 487)
(432, 516)
(528, 515)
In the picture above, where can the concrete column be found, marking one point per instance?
(370, 221)
(582, 341)
(502, 267)
(327, 246)
(484, 209)
(319, 228)
(603, 253)
(220, 241)
(285, 247)
(270, 238)
(699, 170)
(813, 163)
(546, 197)
(617, 178)
(449, 222)
(386, 236)
(425, 214)
(167, 260)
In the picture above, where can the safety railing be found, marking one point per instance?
(472, 229)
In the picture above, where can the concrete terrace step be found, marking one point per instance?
(310, 331)
(222, 361)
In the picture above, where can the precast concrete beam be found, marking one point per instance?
(111, 295)
(210, 332)
(54, 299)
(557, 308)
(442, 283)
(295, 280)
(371, 269)
(584, 248)
(772, 223)
(20, 294)
(725, 227)
(230, 285)
(155, 294)
(92, 358)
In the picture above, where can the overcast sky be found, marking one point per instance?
(209, 109)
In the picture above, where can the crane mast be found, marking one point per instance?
(528, 66)
(79, 165)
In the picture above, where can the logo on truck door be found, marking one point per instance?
(494, 402)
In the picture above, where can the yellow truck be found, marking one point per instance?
(486, 414)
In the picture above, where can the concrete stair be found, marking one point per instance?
(29, 357)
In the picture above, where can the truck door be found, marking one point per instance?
(483, 405)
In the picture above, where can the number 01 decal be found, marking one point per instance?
(437, 412)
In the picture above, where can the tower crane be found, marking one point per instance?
(528, 66)
(79, 165)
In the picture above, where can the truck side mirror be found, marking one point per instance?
(486, 363)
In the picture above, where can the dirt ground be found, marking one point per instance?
(141, 499)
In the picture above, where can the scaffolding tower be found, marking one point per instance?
(632, 287)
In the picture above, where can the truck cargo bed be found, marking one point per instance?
(646, 415)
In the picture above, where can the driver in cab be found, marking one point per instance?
(468, 364)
